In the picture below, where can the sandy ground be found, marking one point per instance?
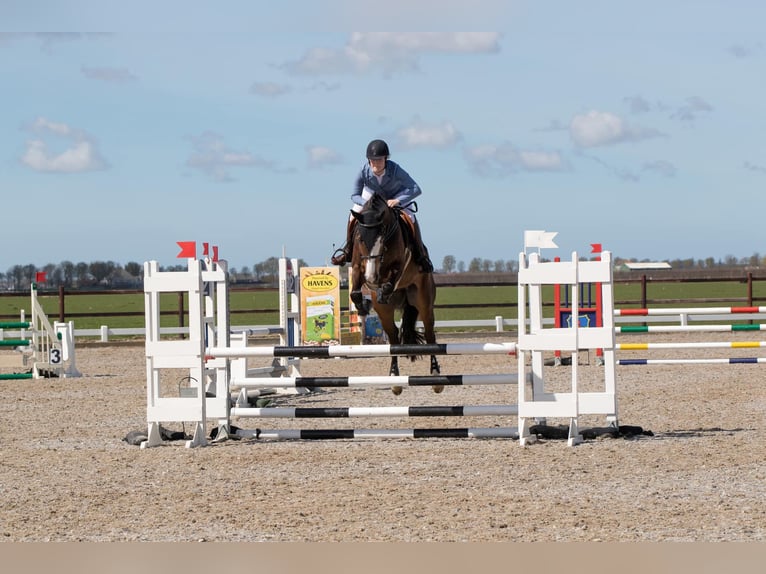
(66, 474)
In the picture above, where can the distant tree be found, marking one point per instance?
(475, 265)
(499, 266)
(81, 270)
(16, 274)
(486, 265)
(52, 274)
(245, 274)
(461, 267)
(67, 269)
(101, 270)
(448, 264)
(134, 269)
(271, 266)
(755, 260)
(29, 275)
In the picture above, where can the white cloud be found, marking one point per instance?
(269, 89)
(637, 104)
(381, 43)
(319, 156)
(541, 161)
(80, 153)
(750, 166)
(596, 128)
(420, 134)
(42, 125)
(390, 52)
(661, 167)
(746, 50)
(49, 40)
(691, 108)
(619, 172)
(504, 159)
(110, 75)
(214, 158)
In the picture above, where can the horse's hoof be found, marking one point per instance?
(396, 390)
(438, 388)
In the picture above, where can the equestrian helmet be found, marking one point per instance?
(377, 149)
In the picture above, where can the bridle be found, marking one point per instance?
(387, 232)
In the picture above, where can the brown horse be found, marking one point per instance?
(382, 260)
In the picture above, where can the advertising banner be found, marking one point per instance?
(320, 306)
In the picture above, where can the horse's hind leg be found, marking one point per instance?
(425, 300)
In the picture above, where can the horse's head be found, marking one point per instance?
(378, 244)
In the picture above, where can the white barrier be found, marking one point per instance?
(209, 355)
(537, 403)
(47, 350)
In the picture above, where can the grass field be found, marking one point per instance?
(243, 304)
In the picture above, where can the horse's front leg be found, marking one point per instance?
(386, 316)
(362, 305)
(393, 370)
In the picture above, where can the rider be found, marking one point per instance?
(386, 178)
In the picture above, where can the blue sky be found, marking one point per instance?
(638, 125)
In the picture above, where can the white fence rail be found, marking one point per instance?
(499, 324)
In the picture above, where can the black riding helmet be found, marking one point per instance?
(377, 149)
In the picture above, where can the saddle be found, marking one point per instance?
(408, 227)
(416, 249)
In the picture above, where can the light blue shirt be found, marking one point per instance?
(395, 184)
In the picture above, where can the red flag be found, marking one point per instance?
(188, 249)
(215, 253)
(205, 249)
(40, 277)
(595, 248)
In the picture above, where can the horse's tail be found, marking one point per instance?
(408, 334)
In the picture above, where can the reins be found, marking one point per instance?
(387, 232)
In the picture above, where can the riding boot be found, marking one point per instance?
(343, 255)
(421, 252)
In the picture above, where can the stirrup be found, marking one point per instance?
(339, 257)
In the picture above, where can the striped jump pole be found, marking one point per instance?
(688, 311)
(687, 328)
(331, 351)
(699, 345)
(325, 434)
(351, 412)
(724, 361)
(376, 381)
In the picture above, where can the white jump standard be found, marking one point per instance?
(218, 391)
(39, 348)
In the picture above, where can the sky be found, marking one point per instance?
(128, 127)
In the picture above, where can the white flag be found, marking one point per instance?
(540, 239)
